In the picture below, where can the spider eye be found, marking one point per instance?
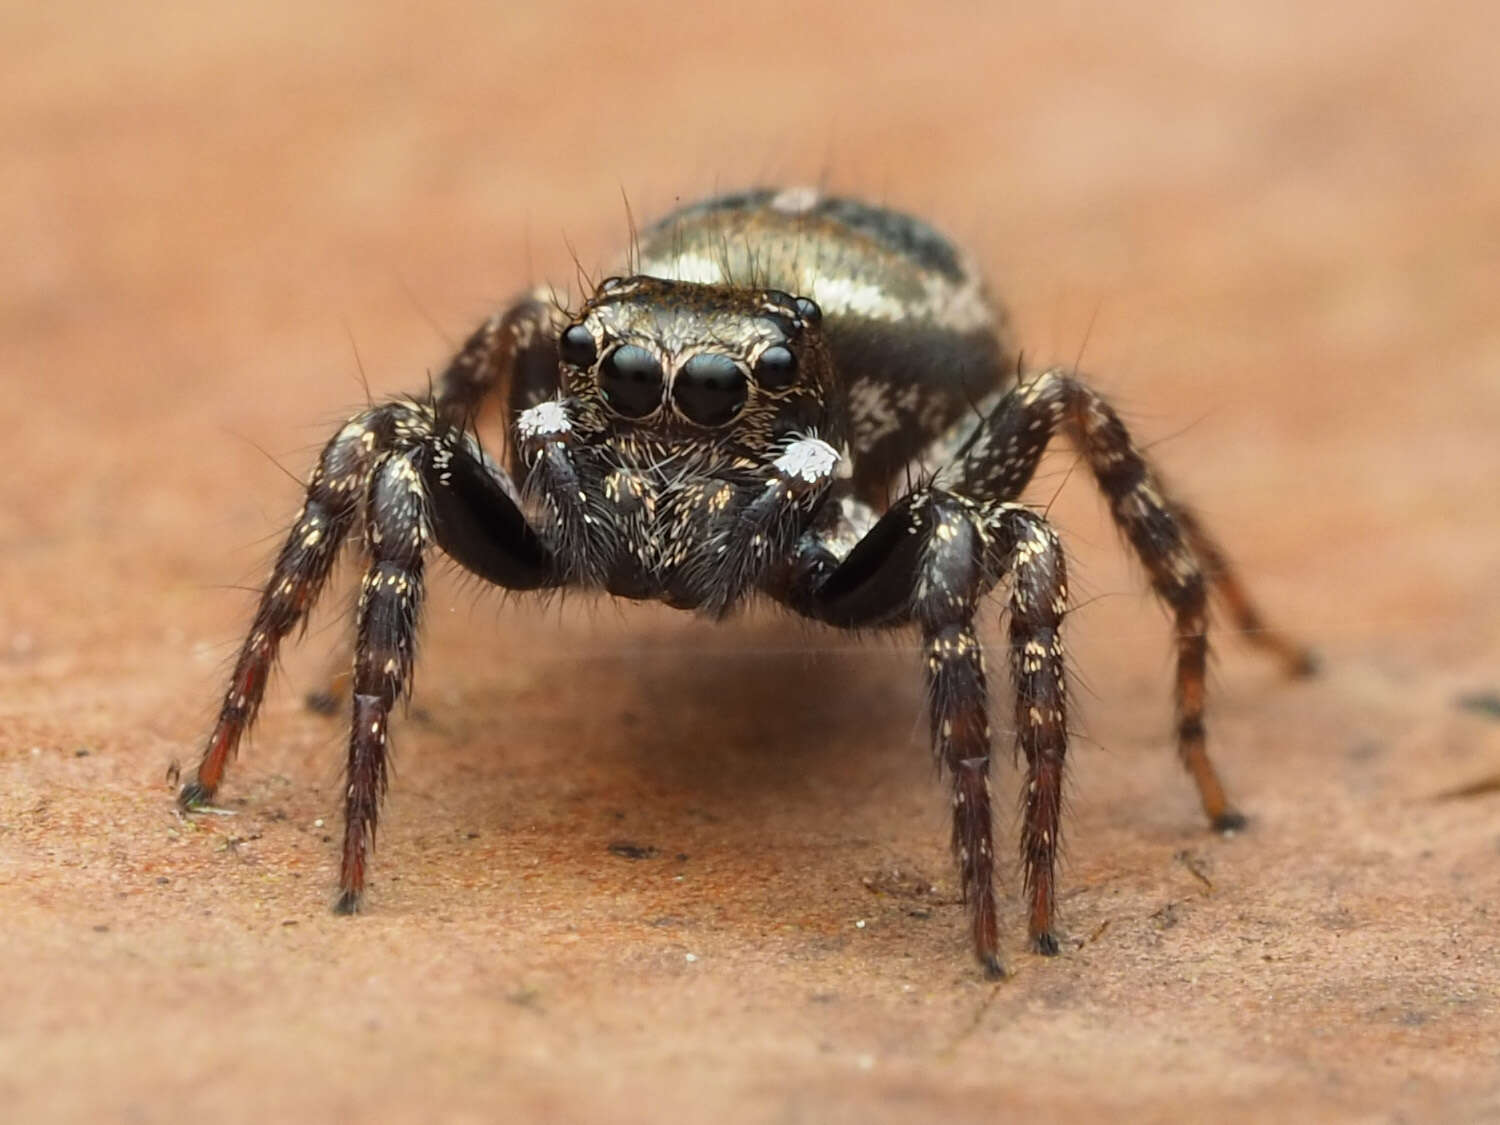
(808, 310)
(776, 368)
(632, 381)
(710, 389)
(576, 347)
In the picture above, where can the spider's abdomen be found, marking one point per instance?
(914, 337)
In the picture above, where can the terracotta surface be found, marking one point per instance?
(1274, 239)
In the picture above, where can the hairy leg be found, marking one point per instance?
(510, 358)
(924, 561)
(931, 559)
(418, 481)
(334, 493)
(998, 460)
(1038, 601)
(390, 607)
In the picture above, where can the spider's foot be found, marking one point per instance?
(348, 902)
(194, 796)
(993, 968)
(1230, 822)
(1046, 944)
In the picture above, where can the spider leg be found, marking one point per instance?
(940, 548)
(930, 559)
(510, 358)
(1012, 442)
(297, 578)
(565, 484)
(1038, 600)
(998, 460)
(417, 480)
(1296, 659)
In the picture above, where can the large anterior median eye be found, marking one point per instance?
(632, 381)
(710, 389)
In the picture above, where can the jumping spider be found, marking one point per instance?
(734, 418)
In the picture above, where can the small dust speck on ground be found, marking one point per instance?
(1486, 703)
(627, 849)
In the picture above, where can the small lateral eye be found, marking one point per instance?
(632, 380)
(776, 368)
(710, 389)
(808, 310)
(576, 347)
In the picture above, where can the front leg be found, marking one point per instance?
(509, 360)
(930, 560)
(1038, 601)
(334, 492)
(416, 480)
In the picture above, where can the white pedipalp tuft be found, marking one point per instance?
(808, 462)
(544, 420)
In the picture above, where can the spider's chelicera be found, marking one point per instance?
(746, 413)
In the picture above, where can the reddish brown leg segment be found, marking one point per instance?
(302, 568)
(1180, 557)
(390, 603)
(948, 589)
(1038, 602)
(1152, 524)
(509, 357)
(1296, 659)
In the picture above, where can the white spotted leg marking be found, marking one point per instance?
(397, 533)
(334, 492)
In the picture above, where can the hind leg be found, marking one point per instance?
(997, 461)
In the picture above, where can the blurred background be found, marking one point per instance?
(1271, 234)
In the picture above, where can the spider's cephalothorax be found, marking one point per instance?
(695, 425)
(790, 394)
